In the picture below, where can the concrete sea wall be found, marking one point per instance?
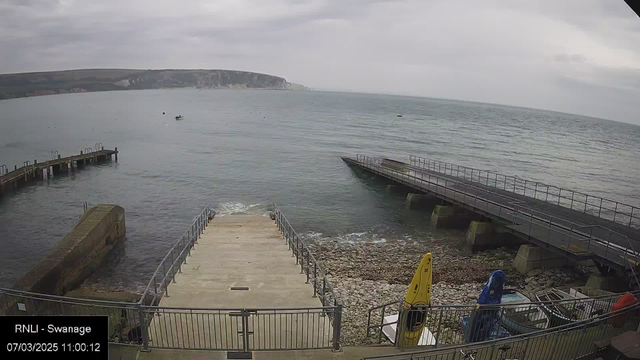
(78, 254)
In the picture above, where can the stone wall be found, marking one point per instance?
(78, 254)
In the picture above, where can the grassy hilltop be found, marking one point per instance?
(86, 80)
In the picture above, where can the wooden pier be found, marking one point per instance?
(30, 172)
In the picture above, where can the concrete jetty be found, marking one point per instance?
(241, 261)
(38, 170)
(241, 289)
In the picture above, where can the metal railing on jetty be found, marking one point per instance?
(607, 209)
(233, 329)
(308, 263)
(566, 342)
(608, 245)
(174, 259)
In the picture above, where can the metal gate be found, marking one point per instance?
(242, 330)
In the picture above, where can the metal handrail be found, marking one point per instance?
(172, 263)
(307, 261)
(66, 299)
(460, 308)
(371, 162)
(300, 250)
(491, 179)
(630, 312)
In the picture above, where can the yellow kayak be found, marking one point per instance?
(418, 296)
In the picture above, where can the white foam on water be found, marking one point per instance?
(312, 235)
(352, 237)
(231, 208)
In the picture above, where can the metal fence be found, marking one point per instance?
(124, 318)
(566, 342)
(243, 330)
(578, 239)
(192, 328)
(171, 264)
(239, 329)
(448, 325)
(308, 263)
(594, 205)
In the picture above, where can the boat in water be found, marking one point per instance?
(179, 117)
(521, 319)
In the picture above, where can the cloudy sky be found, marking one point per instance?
(578, 56)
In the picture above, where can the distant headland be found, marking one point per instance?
(88, 80)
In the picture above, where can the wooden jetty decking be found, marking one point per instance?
(578, 235)
(11, 180)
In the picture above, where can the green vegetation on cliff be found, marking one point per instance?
(86, 80)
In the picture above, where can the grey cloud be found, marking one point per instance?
(566, 58)
(558, 55)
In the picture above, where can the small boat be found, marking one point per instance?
(418, 297)
(398, 115)
(179, 117)
(483, 323)
(521, 319)
(558, 306)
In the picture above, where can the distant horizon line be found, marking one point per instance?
(310, 88)
(467, 101)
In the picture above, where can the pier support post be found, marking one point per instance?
(396, 189)
(451, 216)
(420, 201)
(116, 154)
(611, 283)
(532, 257)
(486, 235)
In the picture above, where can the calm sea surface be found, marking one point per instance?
(242, 150)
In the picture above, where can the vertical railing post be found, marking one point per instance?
(245, 330)
(337, 327)
(315, 279)
(308, 264)
(439, 326)
(302, 257)
(559, 195)
(586, 201)
(400, 328)
(144, 329)
(615, 212)
(600, 209)
(324, 290)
